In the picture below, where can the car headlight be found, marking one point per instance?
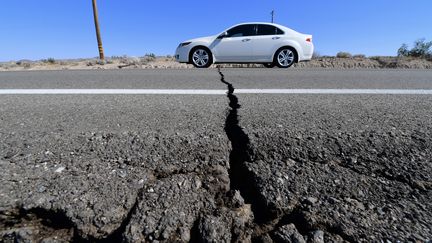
(184, 44)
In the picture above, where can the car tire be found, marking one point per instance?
(269, 65)
(201, 57)
(285, 57)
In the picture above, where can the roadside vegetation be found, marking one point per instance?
(419, 56)
(343, 55)
(49, 60)
(421, 49)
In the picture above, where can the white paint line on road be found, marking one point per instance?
(114, 91)
(210, 91)
(334, 91)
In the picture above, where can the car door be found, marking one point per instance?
(267, 40)
(236, 46)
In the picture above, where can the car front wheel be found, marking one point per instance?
(285, 57)
(201, 57)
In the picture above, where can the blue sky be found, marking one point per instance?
(36, 29)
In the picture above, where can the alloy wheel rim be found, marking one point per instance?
(200, 57)
(285, 57)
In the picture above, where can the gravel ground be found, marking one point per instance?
(241, 168)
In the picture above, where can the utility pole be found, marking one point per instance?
(98, 35)
(272, 14)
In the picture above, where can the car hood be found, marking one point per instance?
(206, 39)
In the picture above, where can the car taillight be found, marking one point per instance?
(309, 39)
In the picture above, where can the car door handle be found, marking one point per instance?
(276, 38)
(244, 40)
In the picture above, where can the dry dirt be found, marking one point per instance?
(168, 62)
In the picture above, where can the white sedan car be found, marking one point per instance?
(266, 43)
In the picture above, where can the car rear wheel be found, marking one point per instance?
(269, 65)
(201, 57)
(285, 57)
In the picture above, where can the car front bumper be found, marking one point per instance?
(182, 54)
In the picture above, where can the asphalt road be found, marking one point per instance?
(264, 167)
(245, 78)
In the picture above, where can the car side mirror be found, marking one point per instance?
(223, 35)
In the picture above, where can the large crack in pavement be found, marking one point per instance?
(261, 187)
(241, 152)
(268, 221)
(240, 143)
(241, 178)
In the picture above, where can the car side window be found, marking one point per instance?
(242, 30)
(264, 29)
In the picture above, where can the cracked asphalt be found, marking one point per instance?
(213, 168)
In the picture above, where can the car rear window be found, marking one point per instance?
(279, 31)
(264, 29)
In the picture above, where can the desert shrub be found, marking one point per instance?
(169, 56)
(421, 49)
(403, 51)
(24, 64)
(49, 60)
(152, 55)
(343, 55)
(149, 57)
(359, 56)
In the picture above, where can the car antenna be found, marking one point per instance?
(272, 16)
